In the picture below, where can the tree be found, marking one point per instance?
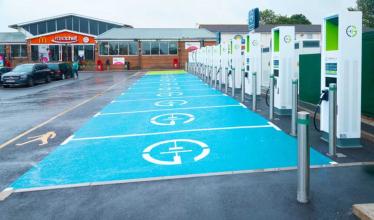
(269, 17)
(299, 19)
(367, 8)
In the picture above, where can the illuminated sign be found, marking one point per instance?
(65, 39)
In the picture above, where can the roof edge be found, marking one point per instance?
(15, 26)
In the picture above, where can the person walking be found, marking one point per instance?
(75, 69)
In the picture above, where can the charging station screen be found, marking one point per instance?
(331, 68)
(276, 64)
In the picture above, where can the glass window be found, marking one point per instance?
(42, 28)
(2, 49)
(51, 25)
(18, 50)
(133, 48)
(103, 48)
(23, 49)
(27, 28)
(113, 48)
(110, 26)
(102, 27)
(164, 48)
(89, 53)
(34, 29)
(155, 48)
(60, 24)
(78, 48)
(311, 44)
(53, 53)
(75, 24)
(83, 25)
(173, 48)
(69, 23)
(123, 48)
(146, 48)
(93, 27)
(34, 52)
(14, 50)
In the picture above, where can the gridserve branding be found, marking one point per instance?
(351, 31)
(287, 39)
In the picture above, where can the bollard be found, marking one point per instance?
(303, 166)
(254, 90)
(227, 80)
(332, 119)
(243, 85)
(295, 87)
(220, 78)
(271, 99)
(233, 82)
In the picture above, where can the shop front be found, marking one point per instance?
(62, 46)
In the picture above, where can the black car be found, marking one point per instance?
(27, 74)
(60, 70)
(4, 70)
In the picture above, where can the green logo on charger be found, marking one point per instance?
(351, 31)
(287, 39)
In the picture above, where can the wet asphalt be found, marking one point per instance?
(269, 195)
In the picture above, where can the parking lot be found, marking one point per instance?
(120, 143)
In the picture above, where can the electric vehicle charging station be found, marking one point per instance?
(283, 67)
(216, 62)
(236, 61)
(225, 61)
(341, 64)
(253, 62)
(209, 63)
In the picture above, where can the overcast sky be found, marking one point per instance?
(164, 13)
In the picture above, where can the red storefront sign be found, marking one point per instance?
(64, 37)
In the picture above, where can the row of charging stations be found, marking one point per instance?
(341, 64)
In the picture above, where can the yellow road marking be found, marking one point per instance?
(43, 138)
(60, 114)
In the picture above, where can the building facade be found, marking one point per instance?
(94, 41)
(151, 48)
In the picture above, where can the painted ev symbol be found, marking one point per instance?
(169, 94)
(168, 84)
(171, 119)
(169, 88)
(158, 153)
(170, 103)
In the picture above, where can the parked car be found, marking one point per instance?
(4, 70)
(27, 74)
(60, 70)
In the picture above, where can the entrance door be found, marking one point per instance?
(67, 53)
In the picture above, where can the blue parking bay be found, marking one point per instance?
(122, 105)
(134, 139)
(170, 121)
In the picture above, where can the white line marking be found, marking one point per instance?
(187, 81)
(274, 126)
(149, 179)
(6, 193)
(171, 132)
(243, 105)
(67, 140)
(97, 114)
(172, 90)
(170, 109)
(193, 96)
